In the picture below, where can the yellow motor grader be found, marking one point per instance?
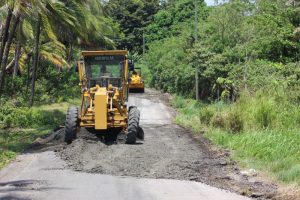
(104, 82)
(136, 84)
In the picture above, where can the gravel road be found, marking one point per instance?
(170, 163)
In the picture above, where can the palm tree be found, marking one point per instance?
(17, 53)
(7, 48)
(52, 9)
(5, 34)
(48, 31)
(35, 58)
(17, 7)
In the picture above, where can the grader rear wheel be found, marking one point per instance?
(133, 125)
(71, 124)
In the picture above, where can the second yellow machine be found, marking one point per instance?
(136, 81)
(104, 82)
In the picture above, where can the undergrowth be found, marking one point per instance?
(262, 130)
(21, 126)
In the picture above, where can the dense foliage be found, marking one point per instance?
(241, 45)
(247, 57)
(40, 41)
(133, 16)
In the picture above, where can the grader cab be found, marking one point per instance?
(104, 82)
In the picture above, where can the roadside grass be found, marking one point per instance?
(262, 131)
(15, 141)
(21, 126)
(275, 152)
(63, 106)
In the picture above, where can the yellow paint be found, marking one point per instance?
(103, 108)
(137, 81)
(100, 103)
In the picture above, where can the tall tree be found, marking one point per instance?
(5, 35)
(35, 58)
(63, 26)
(7, 48)
(17, 53)
(133, 17)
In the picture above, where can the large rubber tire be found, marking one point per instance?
(71, 124)
(140, 133)
(133, 125)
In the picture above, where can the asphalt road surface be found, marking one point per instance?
(169, 164)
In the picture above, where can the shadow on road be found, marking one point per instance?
(15, 189)
(13, 197)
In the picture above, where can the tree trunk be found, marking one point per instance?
(35, 59)
(17, 52)
(5, 32)
(4, 39)
(70, 52)
(28, 72)
(17, 58)
(1, 31)
(7, 48)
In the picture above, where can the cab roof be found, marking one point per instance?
(107, 52)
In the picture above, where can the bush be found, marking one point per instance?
(231, 121)
(11, 117)
(264, 110)
(169, 69)
(178, 102)
(206, 114)
(8, 120)
(265, 113)
(52, 86)
(22, 117)
(218, 120)
(234, 122)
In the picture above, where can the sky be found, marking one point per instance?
(210, 2)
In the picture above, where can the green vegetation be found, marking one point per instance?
(262, 131)
(242, 45)
(16, 141)
(133, 16)
(39, 42)
(20, 126)
(247, 56)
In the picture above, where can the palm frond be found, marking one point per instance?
(54, 52)
(62, 13)
(27, 30)
(22, 62)
(47, 28)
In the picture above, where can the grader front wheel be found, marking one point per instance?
(71, 125)
(133, 125)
